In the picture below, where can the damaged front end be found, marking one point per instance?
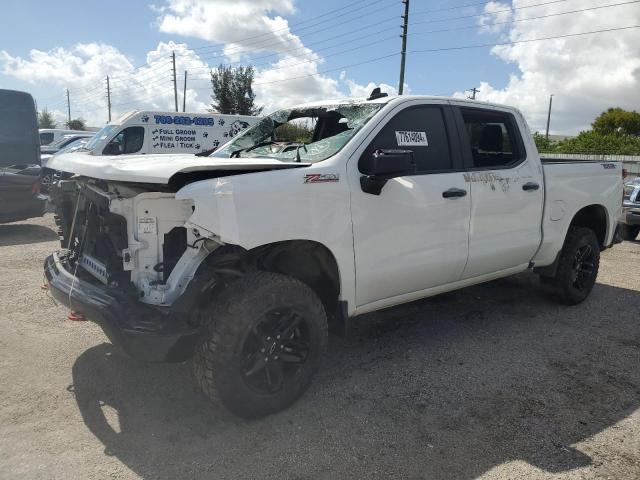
(128, 258)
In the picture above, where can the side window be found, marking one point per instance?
(420, 129)
(129, 140)
(46, 138)
(492, 138)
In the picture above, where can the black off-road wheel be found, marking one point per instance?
(577, 267)
(630, 232)
(263, 343)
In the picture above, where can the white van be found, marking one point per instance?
(51, 135)
(144, 132)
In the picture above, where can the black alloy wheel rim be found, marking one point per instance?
(583, 267)
(274, 351)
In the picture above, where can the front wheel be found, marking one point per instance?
(577, 266)
(265, 338)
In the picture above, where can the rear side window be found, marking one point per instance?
(422, 130)
(129, 140)
(493, 138)
(46, 138)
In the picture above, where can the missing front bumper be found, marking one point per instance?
(143, 332)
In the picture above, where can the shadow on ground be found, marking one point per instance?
(442, 388)
(24, 234)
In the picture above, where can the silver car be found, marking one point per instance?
(631, 207)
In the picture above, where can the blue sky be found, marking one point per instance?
(132, 29)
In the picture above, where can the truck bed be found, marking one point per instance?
(569, 186)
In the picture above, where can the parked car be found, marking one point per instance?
(631, 205)
(63, 142)
(52, 135)
(238, 260)
(47, 176)
(19, 157)
(19, 189)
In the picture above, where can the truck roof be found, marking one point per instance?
(403, 98)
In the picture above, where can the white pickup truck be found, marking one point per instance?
(238, 260)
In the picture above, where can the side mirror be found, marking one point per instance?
(383, 165)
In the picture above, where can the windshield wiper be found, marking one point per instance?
(236, 153)
(298, 151)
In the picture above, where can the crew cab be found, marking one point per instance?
(237, 261)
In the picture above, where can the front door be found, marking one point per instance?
(414, 235)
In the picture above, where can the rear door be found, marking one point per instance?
(413, 236)
(506, 188)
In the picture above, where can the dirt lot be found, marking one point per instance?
(494, 381)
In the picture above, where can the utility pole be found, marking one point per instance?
(175, 83)
(68, 106)
(108, 97)
(403, 54)
(549, 116)
(184, 93)
(473, 91)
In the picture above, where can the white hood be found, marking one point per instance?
(155, 168)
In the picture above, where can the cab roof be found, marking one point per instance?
(392, 99)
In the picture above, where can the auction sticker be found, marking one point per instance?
(411, 139)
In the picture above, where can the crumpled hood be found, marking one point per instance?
(155, 168)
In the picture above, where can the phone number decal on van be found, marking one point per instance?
(180, 120)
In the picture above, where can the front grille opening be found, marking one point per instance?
(175, 244)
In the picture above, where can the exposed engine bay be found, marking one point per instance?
(129, 238)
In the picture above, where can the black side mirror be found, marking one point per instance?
(383, 165)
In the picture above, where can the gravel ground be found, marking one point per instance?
(494, 381)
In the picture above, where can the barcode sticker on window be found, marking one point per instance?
(409, 139)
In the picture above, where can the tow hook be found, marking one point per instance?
(76, 316)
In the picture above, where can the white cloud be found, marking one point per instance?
(83, 70)
(238, 27)
(241, 25)
(587, 74)
(496, 12)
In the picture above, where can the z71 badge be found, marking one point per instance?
(321, 177)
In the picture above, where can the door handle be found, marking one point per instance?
(454, 192)
(530, 186)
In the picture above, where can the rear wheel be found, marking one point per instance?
(577, 266)
(265, 339)
(630, 232)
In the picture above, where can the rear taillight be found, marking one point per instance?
(624, 173)
(35, 188)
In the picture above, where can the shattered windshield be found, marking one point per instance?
(301, 135)
(101, 135)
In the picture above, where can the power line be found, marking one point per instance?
(462, 47)
(515, 42)
(304, 47)
(284, 67)
(288, 27)
(348, 50)
(488, 13)
(273, 44)
(424, 12)
(517, 20)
